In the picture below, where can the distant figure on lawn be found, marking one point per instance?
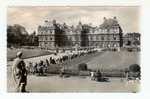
(92, 75)
(19, 73)
(98, 75)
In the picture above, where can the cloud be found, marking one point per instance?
(32, 16)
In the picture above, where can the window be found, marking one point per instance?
(46, 38)
(105, 31)
(111, 31)
(108, 38)
(51, 38)
(116, 30)
(50, 31)
(91, 38)
(97, 38)
(70, 38)
(102, 38)
(115, 38)
(41, 38)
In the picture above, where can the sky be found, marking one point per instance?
(32, 16)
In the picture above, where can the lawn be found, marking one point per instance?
(114, 60)
(107, 60)
(110, 62)
(101, 60)
(11, 53)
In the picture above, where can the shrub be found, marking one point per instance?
(82, 67)
(134, 68)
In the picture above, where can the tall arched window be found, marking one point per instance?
(102, 37)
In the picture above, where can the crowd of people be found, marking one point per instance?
(21, 69)
(41, 67)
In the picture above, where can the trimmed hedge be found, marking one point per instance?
(82, 67)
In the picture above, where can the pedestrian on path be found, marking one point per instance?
(19, 73)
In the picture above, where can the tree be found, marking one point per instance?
(18, 36)
(134, 68)
(15, 35)
(82, 67)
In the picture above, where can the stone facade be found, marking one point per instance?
(46, 35)
(106, 35)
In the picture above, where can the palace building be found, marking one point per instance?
(107, 35)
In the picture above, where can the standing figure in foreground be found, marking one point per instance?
(19, 73)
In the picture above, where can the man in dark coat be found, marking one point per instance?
(19, 73)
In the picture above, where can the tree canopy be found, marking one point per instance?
(18, 36)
